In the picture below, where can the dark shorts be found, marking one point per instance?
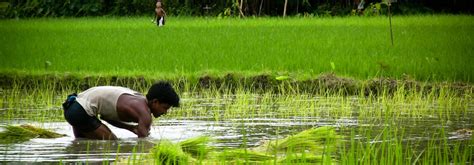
(79, 119)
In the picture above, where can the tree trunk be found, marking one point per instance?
(297, 6)
(240, 8)
(284, 9)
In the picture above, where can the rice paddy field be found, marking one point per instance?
(425, 47)
(253, 91)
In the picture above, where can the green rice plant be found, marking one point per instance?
(313, 143)
(168, 153)
(197, 147)
(304, 158)
(196, 150)
(248, 47)
(391, 145)
(244, 155)
(42, 133)
(18, 134)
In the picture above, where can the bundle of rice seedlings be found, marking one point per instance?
(18, 134)
(302, 159)
(168, 153)
(42, 133)
(309, 146)
(244, 154)
(313, 140)
(197, 147)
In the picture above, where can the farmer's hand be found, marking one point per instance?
(135, 129)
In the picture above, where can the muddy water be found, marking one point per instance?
(228, 133)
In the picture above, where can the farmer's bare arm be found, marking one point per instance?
(140, 112)
(131, 128)
(144, 124)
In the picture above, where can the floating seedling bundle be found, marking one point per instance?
(22, 133)
(309, 146)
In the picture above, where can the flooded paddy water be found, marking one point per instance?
(245, 120)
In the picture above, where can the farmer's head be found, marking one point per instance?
(161, 96)
(158, 4)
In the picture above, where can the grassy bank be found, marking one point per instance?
(428, 48)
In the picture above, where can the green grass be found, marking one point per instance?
(428, 48)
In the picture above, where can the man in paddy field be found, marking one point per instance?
(160, 14)
(117, 105)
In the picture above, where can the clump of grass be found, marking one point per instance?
(18, 134)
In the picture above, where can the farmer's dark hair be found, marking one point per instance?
(164, 93)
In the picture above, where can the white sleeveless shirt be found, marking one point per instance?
(102, 100)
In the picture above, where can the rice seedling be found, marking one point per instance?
(312, 140)
(198, 150)
(15, 134)
(168, 153)
(244, 156)
(18, 134)
(197, 147)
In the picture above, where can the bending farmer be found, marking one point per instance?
(117, 105)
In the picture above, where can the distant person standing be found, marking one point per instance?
(160, 14)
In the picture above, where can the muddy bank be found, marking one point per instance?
(323, 84)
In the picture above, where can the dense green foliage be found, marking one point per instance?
(425, 47)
